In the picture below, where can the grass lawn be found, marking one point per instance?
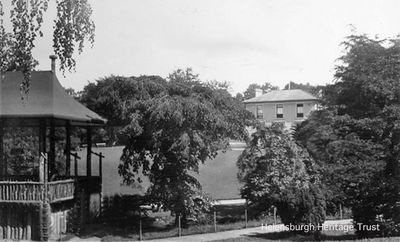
(112, 181)
(218, 176)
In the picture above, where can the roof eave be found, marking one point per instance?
(72, 120)
(280, 101)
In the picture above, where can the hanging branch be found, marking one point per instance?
(72, 27)
(26, 20)
(5, 43)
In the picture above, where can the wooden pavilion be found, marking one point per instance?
(40, 196)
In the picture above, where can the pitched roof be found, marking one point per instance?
(283, 96)
(46, 99)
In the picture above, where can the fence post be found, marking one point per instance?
(340, 211)
(245, 216)
(274, 215)
(140, 227)
(215, 220)
(179, 226)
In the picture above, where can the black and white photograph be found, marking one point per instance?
(200, 120)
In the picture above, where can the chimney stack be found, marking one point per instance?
(259, 92)
(53, 63)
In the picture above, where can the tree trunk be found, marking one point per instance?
(111, 135)
(184, 221)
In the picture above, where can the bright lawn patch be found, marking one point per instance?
(218, 177)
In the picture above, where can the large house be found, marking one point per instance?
(284, 106)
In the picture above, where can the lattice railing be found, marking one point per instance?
(30, 192)
(61, 190)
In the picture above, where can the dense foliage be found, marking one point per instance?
(168, 127)
(347, 158)
(21, 151)
(169, 135)
(278, 172)
(73, 26)
(356, 138)
(315, 90)
(112, 97)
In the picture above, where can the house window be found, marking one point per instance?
(299, 110)
(259, 111)
(279, 111)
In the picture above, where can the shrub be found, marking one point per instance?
(378, 205)
(278, 172)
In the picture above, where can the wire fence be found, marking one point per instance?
(124, 212)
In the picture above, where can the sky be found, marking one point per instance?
(241, 42)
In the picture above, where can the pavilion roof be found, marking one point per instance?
(46, 99)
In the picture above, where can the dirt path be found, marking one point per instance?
(241, 232)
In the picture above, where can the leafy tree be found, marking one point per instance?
(113, 97)
(357, 136)
(170, 134)
(347, 158)
(251, 89)
(368, 78)
(20, 151)
(315, 90)
(239, 97)
(73, 27)
(278, 172)
(72, 92)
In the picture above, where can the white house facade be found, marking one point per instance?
(289, 107)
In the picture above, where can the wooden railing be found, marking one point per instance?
(15, 191)
(61, 190)
(29, 189)
(33, 192)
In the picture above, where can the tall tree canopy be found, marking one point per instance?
(367, 78)
(315, 90)
(357, 136)
(72, 28)
(169, 135)
(341, 146)
(113, 97)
